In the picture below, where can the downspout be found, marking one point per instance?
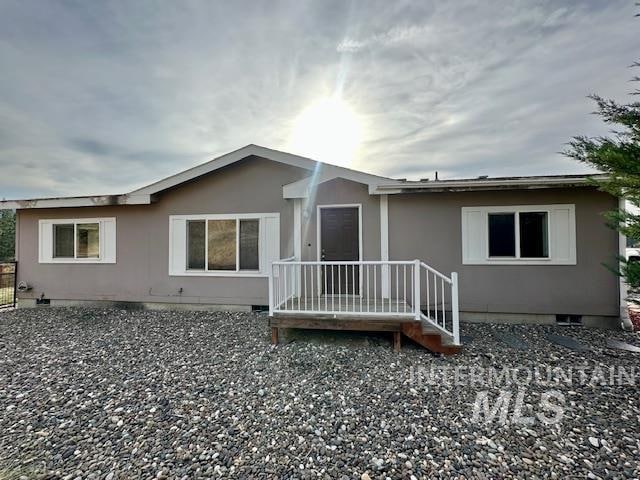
(625, 321)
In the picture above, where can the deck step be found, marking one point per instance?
(419, 331)
(432, 339)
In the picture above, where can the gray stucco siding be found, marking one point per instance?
(428, 226)
(140, 274)
(342, 192)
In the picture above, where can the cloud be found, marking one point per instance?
(394, 36)
(106, 97)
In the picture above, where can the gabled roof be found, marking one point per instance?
(318, 173)
(328, 170)
(321, 172)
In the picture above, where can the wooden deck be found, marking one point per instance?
(404, 297)
(346, 304)
(394, 317)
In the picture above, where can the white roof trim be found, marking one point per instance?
(94, 201)
(302, 188)
(490, 183)
(144, 195)
(275, 155)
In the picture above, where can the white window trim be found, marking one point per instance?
(262, 272)
(102, 257)
(517, 260)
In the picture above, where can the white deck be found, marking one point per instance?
(375, 289)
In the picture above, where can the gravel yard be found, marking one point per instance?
(145, 394)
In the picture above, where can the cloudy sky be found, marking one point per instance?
(103, 97)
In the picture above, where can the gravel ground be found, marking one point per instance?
(119, 394)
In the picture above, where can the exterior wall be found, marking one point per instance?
(140, 274)
(342, 192)
(427, 226)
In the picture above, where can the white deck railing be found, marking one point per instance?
(409, 289)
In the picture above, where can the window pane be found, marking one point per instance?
(249, 245)
(222, 245)
(63, 241)
(195, 244)
(88, 240)
(502, 235)
(534, 237)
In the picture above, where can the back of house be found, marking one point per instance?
(526, 249)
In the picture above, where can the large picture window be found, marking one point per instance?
(223, 244)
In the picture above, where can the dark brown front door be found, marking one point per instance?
(340, 241)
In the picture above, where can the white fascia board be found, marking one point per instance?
(328, 171)
(526, 182)
(94, 201)
(301, 188)
(223, 161)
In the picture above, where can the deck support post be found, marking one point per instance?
(274, 335)
(397, 341)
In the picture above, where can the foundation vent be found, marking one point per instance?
(564, 319)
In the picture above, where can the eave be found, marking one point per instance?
(70, 202)
(480, 184)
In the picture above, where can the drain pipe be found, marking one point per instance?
(625, 321)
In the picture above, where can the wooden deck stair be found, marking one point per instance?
(419, 331)
(429, 337)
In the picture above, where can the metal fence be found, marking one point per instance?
(8, 285)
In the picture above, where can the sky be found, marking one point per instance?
(105, 97)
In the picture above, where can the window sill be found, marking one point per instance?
(219, 274)
(517, 261)
(77, 261)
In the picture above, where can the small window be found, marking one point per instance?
(88, 240)
(518, 235)
(195, 244)
(76, 240)
(502, 235)
(249, 234)
(63, 240)
(534, 235)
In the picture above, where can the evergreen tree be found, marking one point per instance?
(7, 235)
(617, 155)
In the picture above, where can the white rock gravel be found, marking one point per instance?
(118, 394)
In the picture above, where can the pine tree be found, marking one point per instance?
(7, 235)
(617, 155)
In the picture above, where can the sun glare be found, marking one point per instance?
(327, 130)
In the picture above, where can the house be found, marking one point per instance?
(321, 245)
